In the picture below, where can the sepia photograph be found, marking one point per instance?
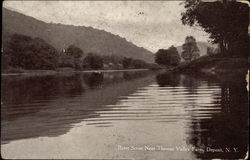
(146, 80)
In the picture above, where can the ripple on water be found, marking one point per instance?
(163, 104)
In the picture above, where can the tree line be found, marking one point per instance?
(171, 57)
(21, 51)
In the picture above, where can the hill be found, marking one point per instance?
(61, 36)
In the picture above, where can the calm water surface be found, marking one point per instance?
(120, 115)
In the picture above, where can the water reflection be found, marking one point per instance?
(93, 80)
(127, 108)
(35, 106)
(209, 129)
(166, 79)
(228, 129)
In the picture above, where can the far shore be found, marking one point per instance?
(52, 72)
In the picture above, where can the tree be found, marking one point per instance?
(226, 22)
(134, 63)
(137, 63)
(93, 61)
(174, 57)
(211, 51)
(169, 57)
(5, 59)
(30, 53)
(66, 60)
(76, 53)
(190, 49)
(127, 62)
(161, 57)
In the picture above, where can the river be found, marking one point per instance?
(123, 115)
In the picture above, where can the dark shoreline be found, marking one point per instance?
(53, 72)
(214, 65)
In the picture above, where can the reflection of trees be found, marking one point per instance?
(49, 105)
(168, 79)
(226, 129)
(190, 81)
(37, 87)
(127, 76)
(25, 91)
(134, 75)
(93, 80)
(72, 85)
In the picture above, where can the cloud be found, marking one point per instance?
(148, 24)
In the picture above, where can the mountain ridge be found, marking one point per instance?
(87, 38)
(61, 36)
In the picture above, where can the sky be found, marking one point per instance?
(148, 24)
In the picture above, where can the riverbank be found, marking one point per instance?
(217, 64)
(223, 68)
(53, 72)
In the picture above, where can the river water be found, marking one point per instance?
(123, 115)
